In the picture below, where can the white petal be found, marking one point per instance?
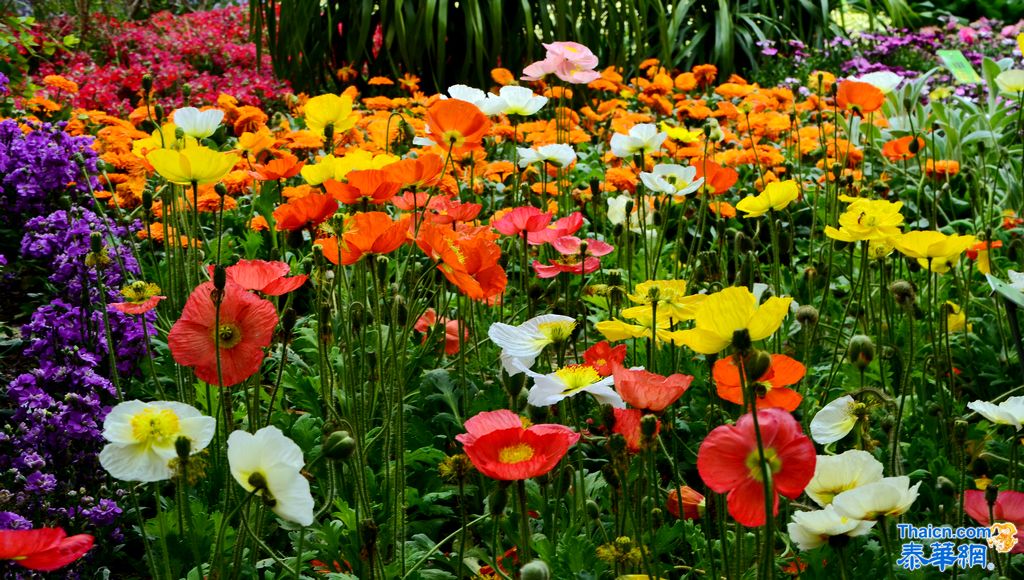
(834, 421)
(134, 463)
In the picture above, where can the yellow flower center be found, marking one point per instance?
(576, 377)
(139, 291)
(556, 331)
(754, 463)
(515, 453)
(229, 335)
(453, 139)
(153, 426)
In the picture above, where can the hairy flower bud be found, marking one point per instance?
(861, 351)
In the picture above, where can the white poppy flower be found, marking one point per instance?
(1008, 412)
(513, 100)
(643, 137)
(271, 463)
(1016, 279)
(560, 154)
(885, 81)
(466, 93)
(834, 421)
(890, 496)
(520, 345)
(834, 474)
(196, 123)
(812, 529)
(571, 380)
(142, 438)
(672, 179)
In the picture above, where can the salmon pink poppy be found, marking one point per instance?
(603, 357)
(305, 212)
(862, 98)
(566, 226)
(500, 447)
(244, 328)
(522, 219)
(646, 390)
(372, 232)
(627, 424)
(571, 249)
(43, 549)
(771, 386)
(457, 126)
(369, 185)
(728, 462)
(1009, 507)
(447, 210)
(140, 297)
(270, 278)
(451, 330)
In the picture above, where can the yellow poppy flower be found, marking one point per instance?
(331, 167)
(673, 303)
(733, 309)
(195, 165)
(616, 330)
(776, 196)
(925, 245)
(956, 320)
(162, 138)
(329, 109)
(867, 219)
(1011, 81)
(681, 134)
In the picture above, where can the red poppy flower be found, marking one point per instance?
(693, 503)
(270, 278)
(420, 172)
(728, 462)
(283, 167)
(307, 211)
(410, 201)
(566, 226)
(451, 330)
(456, 125)
(370, 185)
(501, 448)
(246, 326)
(447, 210)
(862, 98)
(43, 549)
(1009, 507)
(138, 307)
(371, 232)
(603, 357)
(627, 424)
(647, 390)
(782, 373)
(717, 179)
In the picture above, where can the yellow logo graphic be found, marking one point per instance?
(1003, 538)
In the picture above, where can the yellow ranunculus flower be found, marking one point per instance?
(733, 309)
(776, 196)
(929, 244)
(196, 165)
(329, 109)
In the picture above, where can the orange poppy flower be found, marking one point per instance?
(371, 232)
(941, 168)
(717, 179)
(283, 167)
(423, 171)
(309, 211)
(900, 149)
(722, 208)
(782, 373)
(467, 260)
(502, 76)
(370, 185)
(861, 98)
(457, 125)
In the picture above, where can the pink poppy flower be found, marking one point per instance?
(43, 549)
(270, 278)
(646, 390)
(627, 424)
(570, 61)
(246, 326)
(1009, 507)
(728, 462)
(566, 226)
(522, 219)
(451, 330)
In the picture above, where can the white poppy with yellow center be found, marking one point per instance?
(269, 464)
(521, 345)
(834, 474)
(835, 420)
(142, 438)
(571, 380)
(812, 529)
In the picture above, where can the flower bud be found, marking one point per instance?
(221, 190)
(186, 91)
(220, 277)
(991, 495)
(861, 351)
(903, 292)
(147, 84)
(741, 342)
(756, 364)
(179, 133)
(593, 510)
(158, 112)
(339, 446)
(329, 137)
(183, 447)
(535, 570)
(96, 242)
(807, 315)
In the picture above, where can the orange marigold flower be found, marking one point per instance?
(722, 208)
(380, 81)
(941, 168)
(61, 84)
(705, 74)
(409, 83)
(620, 179)
(259, 224)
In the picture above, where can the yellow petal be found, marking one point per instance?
(702, 341)
(769, 317)
(725, 312)
(615, 330)
(171, 165)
